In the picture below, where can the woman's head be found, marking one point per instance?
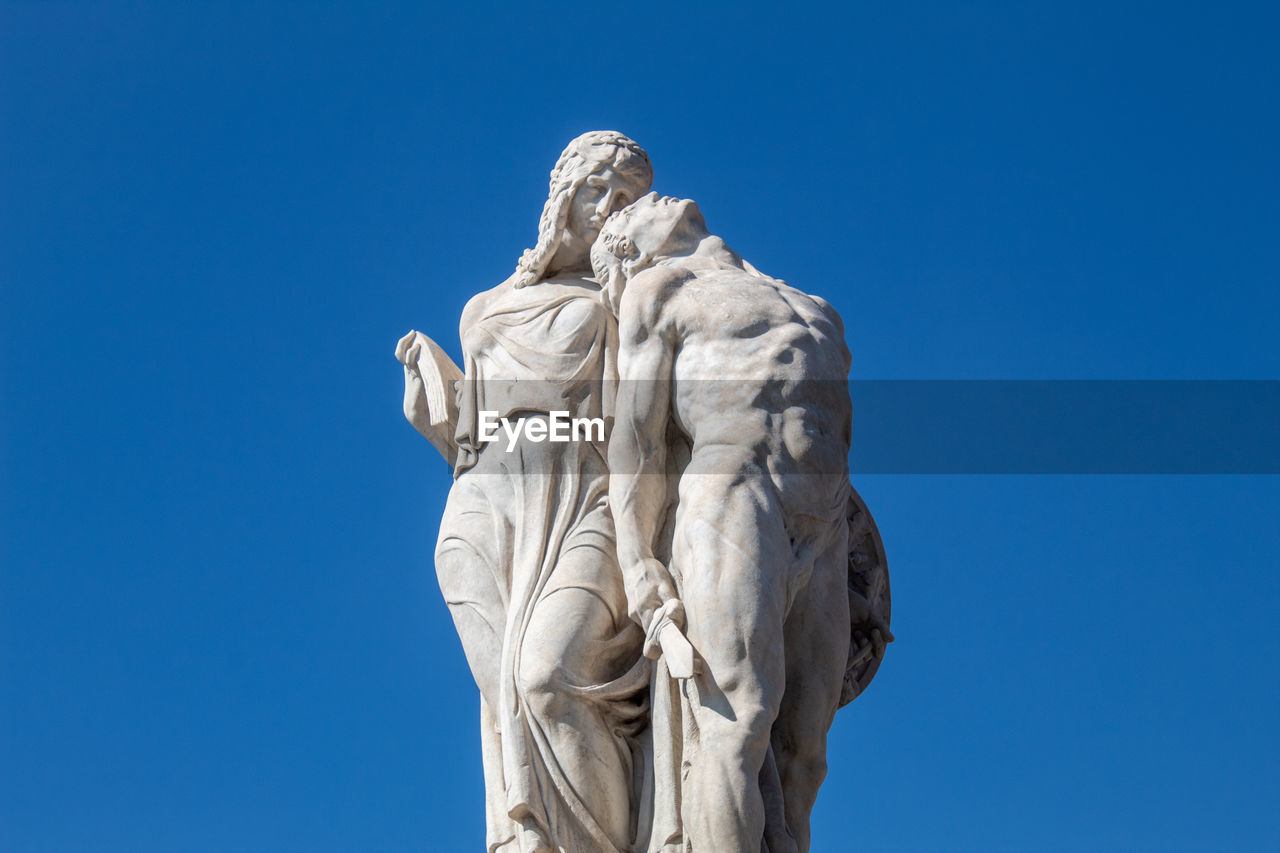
(598, 173)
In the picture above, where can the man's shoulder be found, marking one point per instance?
(650, 293)
(660, 281)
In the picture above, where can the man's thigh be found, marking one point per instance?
(733, 555)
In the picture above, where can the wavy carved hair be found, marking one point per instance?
(581, 158)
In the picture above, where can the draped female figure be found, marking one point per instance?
(526, 556)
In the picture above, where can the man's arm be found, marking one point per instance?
(637, 458)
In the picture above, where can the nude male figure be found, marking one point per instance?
(750, 375)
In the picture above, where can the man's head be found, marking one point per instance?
(637, 237)
(598, 173)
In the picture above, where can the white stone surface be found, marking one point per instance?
(752, 375)
(525, 557)
(725, 478)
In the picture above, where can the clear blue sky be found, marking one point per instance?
(221, 629)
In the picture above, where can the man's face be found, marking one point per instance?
(603, 192)
(608, 267)
(660, 226)
(651, 228)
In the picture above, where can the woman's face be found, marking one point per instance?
(603, 193)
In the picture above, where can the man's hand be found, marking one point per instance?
(681, 659)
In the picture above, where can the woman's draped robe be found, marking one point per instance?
(569, 690)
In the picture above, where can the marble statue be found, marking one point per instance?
(753, 375)
(664, 610)
(526, 557)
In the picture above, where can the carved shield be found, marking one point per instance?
(868, 600)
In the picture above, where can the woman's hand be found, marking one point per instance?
(408, 351)
(409, 348)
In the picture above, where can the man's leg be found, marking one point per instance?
(734, 555)
(817, 649)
